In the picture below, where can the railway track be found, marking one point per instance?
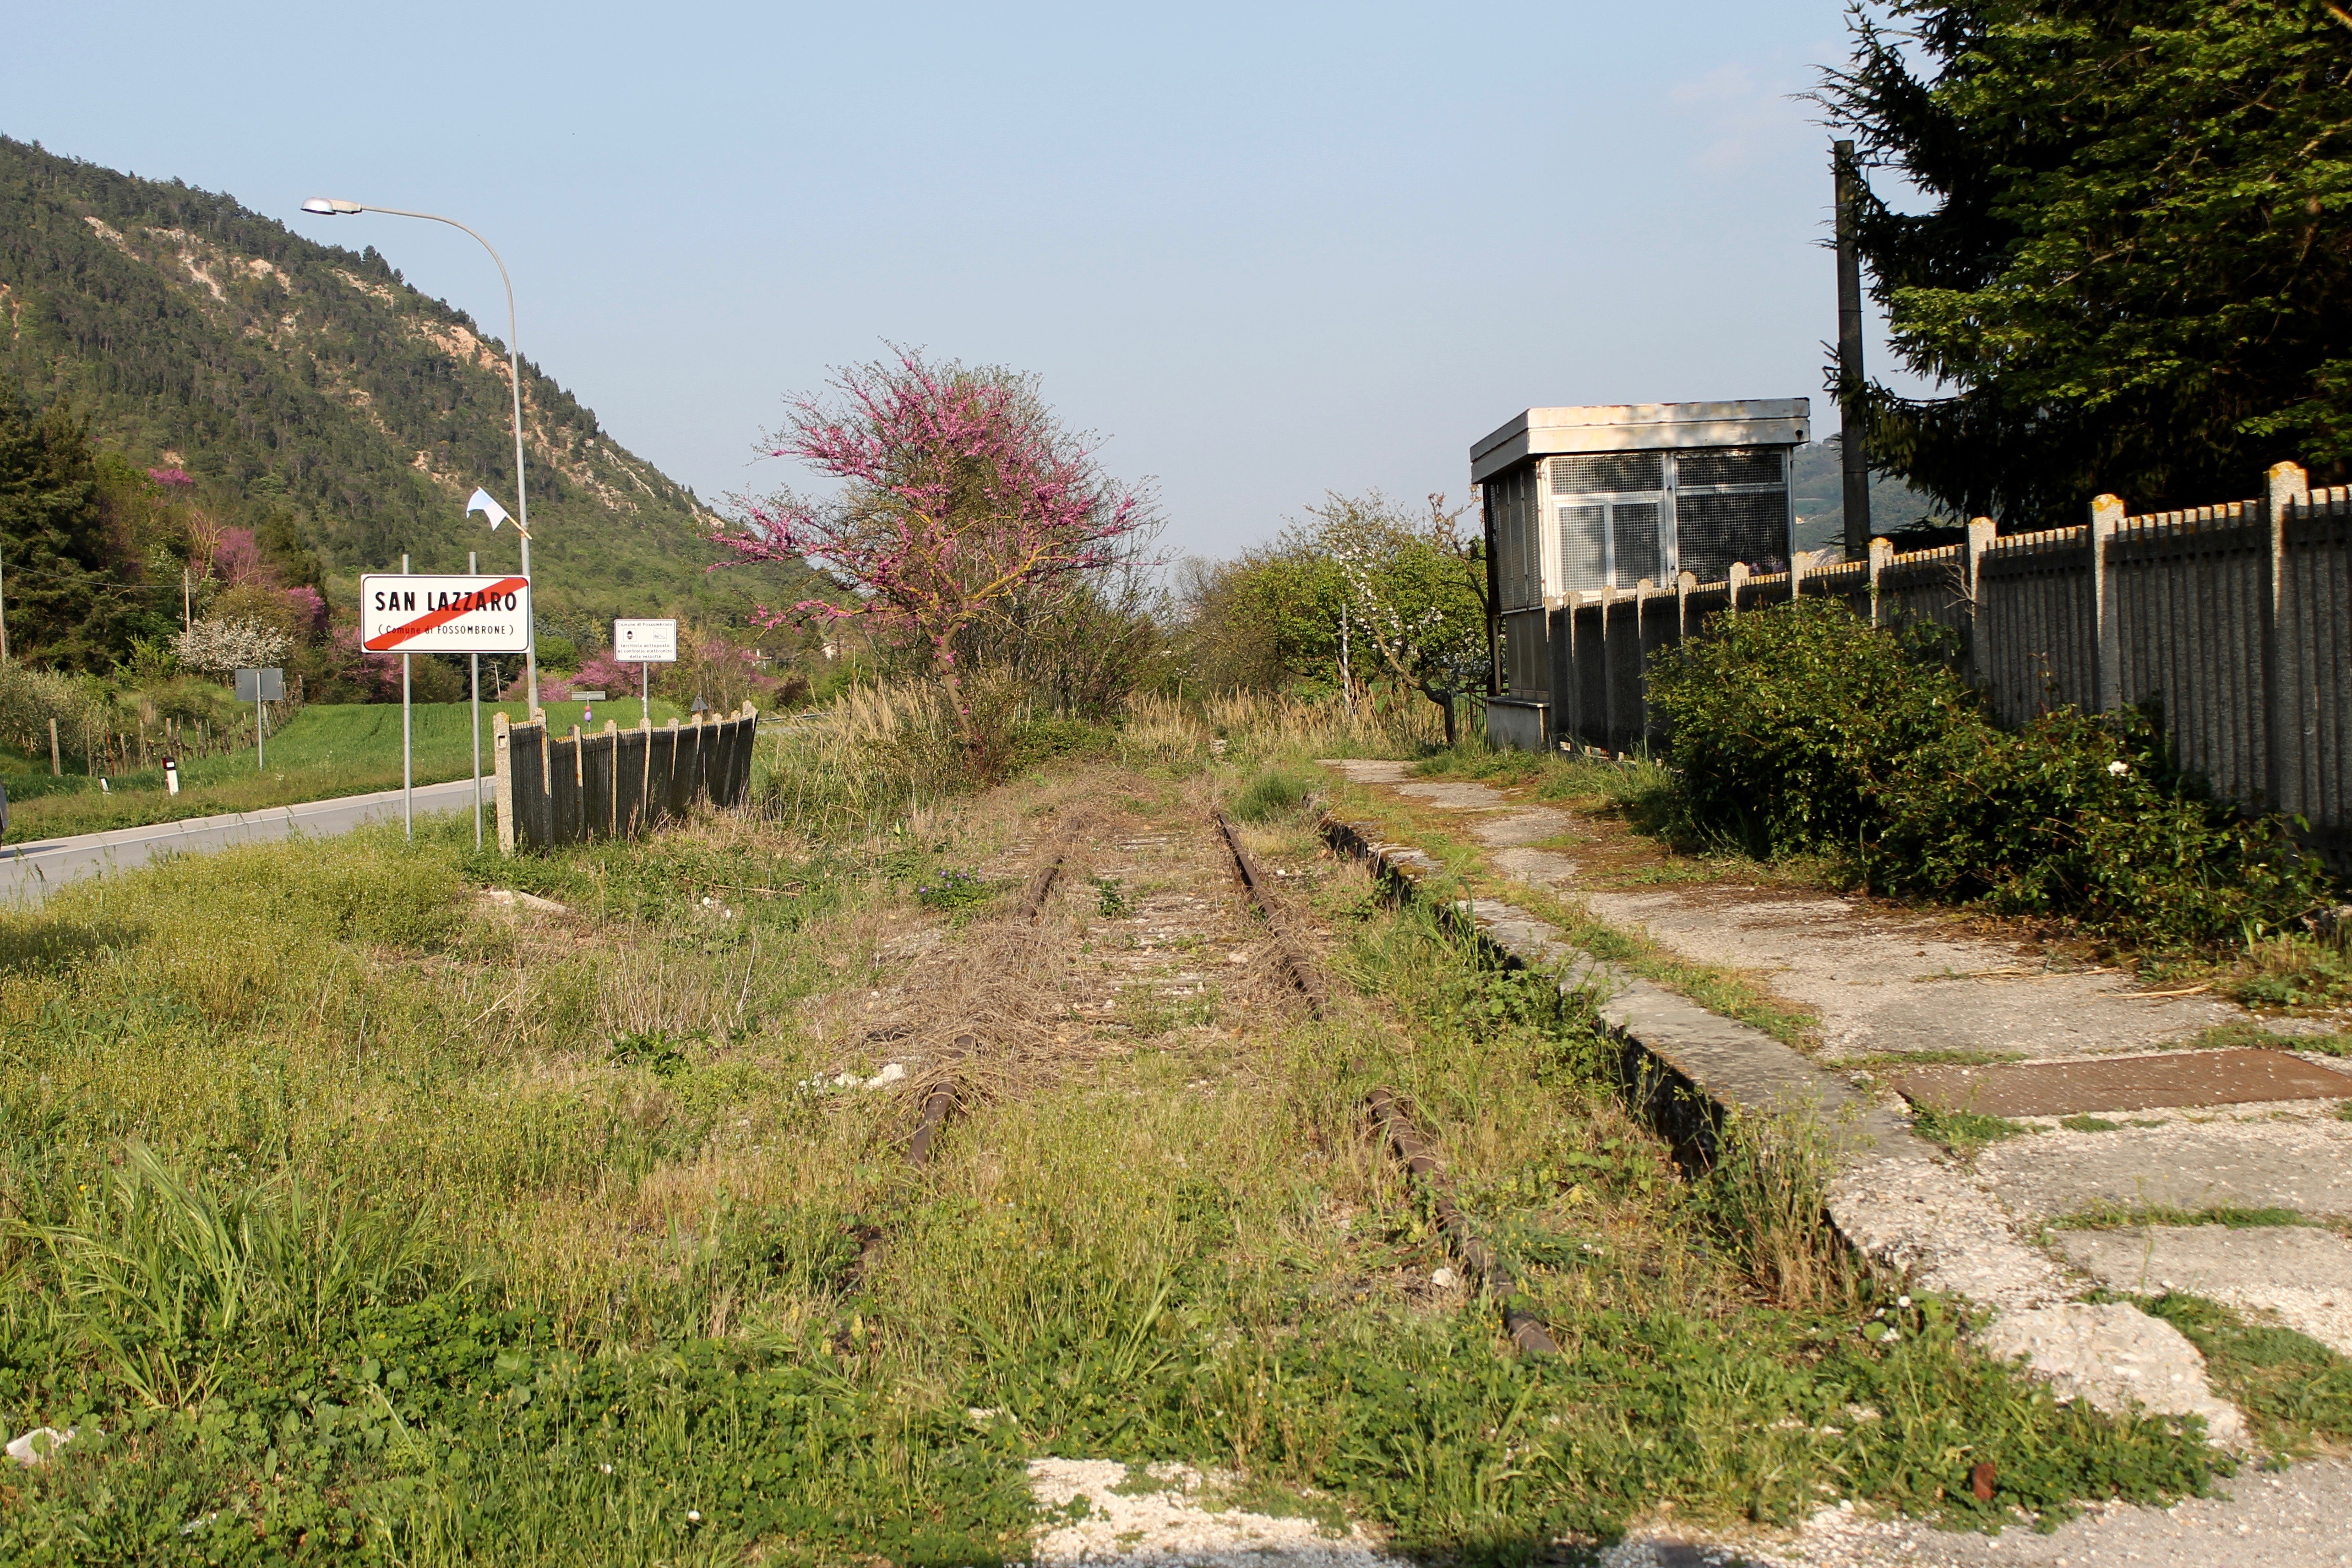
(1388, 1113)
(1398, 1130)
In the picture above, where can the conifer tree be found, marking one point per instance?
(2135, 271)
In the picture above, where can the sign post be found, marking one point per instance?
(423, 613)
(473, 564)
(644, 644)
(257, 687)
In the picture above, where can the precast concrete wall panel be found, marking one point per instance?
(2232, 619)
(2035, 602)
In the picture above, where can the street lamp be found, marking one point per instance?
(328, 206)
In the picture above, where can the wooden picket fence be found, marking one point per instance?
(615, 782)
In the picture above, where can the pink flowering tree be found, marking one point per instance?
(959, 496)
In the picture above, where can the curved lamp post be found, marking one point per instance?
(327, 207)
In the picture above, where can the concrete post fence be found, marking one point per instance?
(2234, 619)
(614, 783)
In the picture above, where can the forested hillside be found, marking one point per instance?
(311, 395)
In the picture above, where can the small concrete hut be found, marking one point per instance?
(1615, 495)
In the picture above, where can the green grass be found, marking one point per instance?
(2125, 1218)
(1717, 989)
(353, 1220)
(1962, 1131)
(1932, 1059)
(328, 749)
(2292, 1389)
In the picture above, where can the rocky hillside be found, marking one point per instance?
(286, 375)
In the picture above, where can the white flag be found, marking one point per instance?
(482, 502)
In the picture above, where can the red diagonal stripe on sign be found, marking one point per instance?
(443, 616)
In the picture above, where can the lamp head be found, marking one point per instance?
(331, 207)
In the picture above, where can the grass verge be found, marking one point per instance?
(327, 751)
(349, 1216)
(2296, 1391)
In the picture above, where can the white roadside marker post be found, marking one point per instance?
(473, 568)
(407, 772)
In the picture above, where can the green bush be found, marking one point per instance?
(1800, 727)
(1788, 722)
(1276, 792)
(2077, 817)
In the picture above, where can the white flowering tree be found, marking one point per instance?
(1416, 590)
(221, 646)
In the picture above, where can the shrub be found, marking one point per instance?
(1276, 792)
(1788, 722)
(1800, 727)
(2076, 817)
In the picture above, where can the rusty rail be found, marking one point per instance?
(936, 1106)
(1397, 1128)
(1302, 969)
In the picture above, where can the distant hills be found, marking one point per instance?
(310, 383)
(1817, 496)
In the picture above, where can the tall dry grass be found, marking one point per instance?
(875, 753)
(883, 752)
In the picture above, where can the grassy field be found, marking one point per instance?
(331, 750)
(349, 1216)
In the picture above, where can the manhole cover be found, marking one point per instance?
(2123, 1083)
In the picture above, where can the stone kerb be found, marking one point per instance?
(1893, 1200)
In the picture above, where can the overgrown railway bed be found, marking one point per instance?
(1012, 1181)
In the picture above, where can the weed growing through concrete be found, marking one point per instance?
(2295, 1391)
(1962, 1131)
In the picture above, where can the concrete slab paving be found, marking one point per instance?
(2300, 1276)
(1885, 981)
(2257, 1518)
(2286, 1157)
(2172, 1079)
(1881, 981)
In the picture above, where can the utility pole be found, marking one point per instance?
(3, 611)
(1853, 446)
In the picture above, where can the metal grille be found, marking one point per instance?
(1728, 465)
(1518, 544)
(1606, 473)
(1717, 530)
(1582, 563)
(1634, 536)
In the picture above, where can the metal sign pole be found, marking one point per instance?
(260, 727)
(472, 567)
(407, 772)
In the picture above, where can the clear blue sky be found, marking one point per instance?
(1268, 250)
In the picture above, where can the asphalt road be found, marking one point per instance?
(27, 871)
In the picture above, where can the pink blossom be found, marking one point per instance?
(377, 675)
(603, 672)
(552, 688)
(237, 558)
(310, 608)
(171, 478)
(961, 493)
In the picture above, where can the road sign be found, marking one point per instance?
(419, 613)
(645, 642)
(261, 686)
